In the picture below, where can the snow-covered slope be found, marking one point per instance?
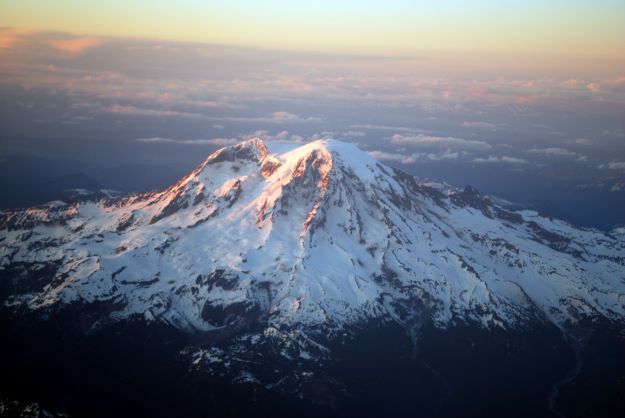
(299, 238)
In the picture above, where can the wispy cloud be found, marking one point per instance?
(386, 128)
(581, 141)
(614, 133)
(500, 160)
(13, 37)
(614, 165)
(352, 134)
(261, 134)
(439, 141)
(279, 136)
(594, 87)
(479, 125)
(274, 118)
(139, 111)
(442, 156)
(75, 45)
(558, 153)
(214, 141)
(394, 157)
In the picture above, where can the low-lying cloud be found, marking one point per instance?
(558, 153)
(500, 160)
(407, 111)
(613, 165)
(439, 141)
(393, 157)
(479, 125)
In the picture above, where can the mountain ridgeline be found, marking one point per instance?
(283, 277)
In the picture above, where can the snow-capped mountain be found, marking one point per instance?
(302, 238)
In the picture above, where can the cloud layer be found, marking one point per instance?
(418, 112)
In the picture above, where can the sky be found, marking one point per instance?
(524, 100)
(580, 28)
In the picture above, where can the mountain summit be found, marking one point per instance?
(272, 254)
(314, 235)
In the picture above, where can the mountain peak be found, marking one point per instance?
(252, 149)
(310, 234)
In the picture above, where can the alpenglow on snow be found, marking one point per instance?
(301, 237)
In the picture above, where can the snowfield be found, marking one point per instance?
(299, 237)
